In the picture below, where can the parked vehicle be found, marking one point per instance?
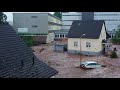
(89, 65)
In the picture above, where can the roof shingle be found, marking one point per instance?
(13, 51)
(91, 29)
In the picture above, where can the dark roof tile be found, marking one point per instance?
(13, 51)
(91, 29)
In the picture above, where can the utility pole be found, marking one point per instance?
(80, 48)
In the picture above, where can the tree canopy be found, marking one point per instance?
(58, 14)
(3, 18)
(117, 34)
(116, 38)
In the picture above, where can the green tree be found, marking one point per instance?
(58, 14)
(116, 38)
(117, 34)
(3, 18)
(28, 40)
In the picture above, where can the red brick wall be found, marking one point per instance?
(40, 39)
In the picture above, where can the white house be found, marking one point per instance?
(93, 37)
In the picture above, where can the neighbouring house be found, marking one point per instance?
(17, 60)
(40, 26)
(94, 38)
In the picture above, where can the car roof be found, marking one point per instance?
(86, 62)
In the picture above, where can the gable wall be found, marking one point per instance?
(95, 44)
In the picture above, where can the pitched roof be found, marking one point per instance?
(108, 35)
(17, 60)
(91, 29)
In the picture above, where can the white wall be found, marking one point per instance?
(71, 13)
(67, 22)
(118, 13)
(71, 18)
(50, 37)
(66, 27)
(95, 45)
(112, 19)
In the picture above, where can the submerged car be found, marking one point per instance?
(90, 65)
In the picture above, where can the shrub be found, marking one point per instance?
(28, 40)
(114, 54)
(116, 40)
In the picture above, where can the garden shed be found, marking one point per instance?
(60, 47)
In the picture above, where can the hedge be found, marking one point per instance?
(28, 40)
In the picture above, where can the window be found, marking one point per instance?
(92, 64)
(65, 35)
(79, 24)
(60, 35)
(75, 43)
(56, 35)
(88, 44)
(33, 16)
(34, 26)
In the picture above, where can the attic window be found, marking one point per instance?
(79, 24)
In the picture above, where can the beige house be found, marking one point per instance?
(93, 39)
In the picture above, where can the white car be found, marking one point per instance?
(90, 65)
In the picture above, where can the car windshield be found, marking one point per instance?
(93, 64)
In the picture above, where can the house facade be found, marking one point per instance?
(37, 24)
(91, 43)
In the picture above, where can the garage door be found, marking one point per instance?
(58, 48)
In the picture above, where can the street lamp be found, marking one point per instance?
(80, 47)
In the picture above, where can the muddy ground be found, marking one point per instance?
(67, 64)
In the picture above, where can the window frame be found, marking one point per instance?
(75, 44)
(34, 26)
(88, 44)
(34, 16)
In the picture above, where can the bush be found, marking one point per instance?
(28, 40)
(114, 54)
(116, 40)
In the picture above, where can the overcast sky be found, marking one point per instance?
(10, 15)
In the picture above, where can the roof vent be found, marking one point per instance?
(79, 24)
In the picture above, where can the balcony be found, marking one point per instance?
(54, 20)
(54, 27)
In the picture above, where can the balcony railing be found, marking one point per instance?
(54, 20)
(54, 27)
